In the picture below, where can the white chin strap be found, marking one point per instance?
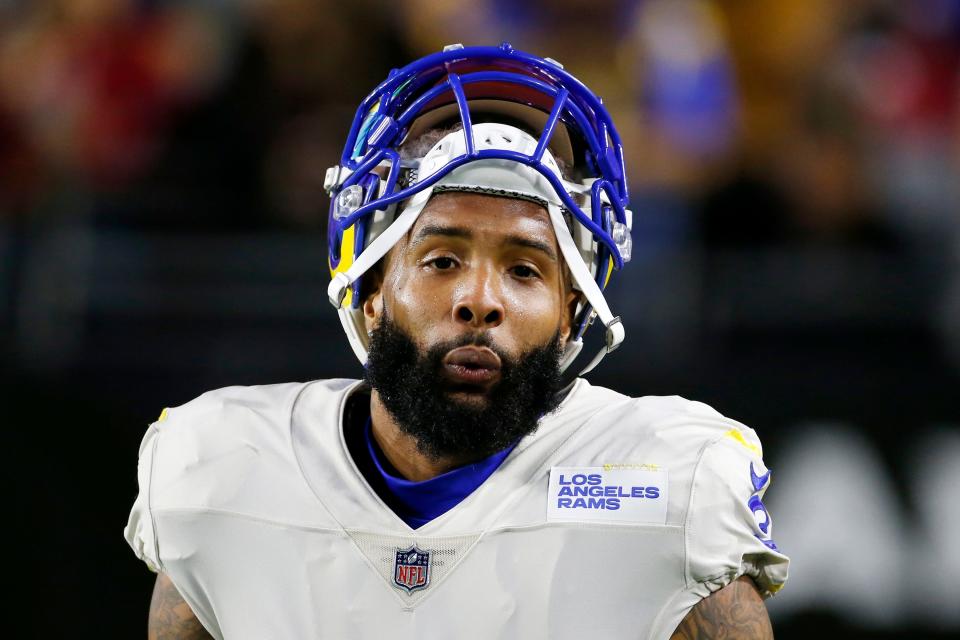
(496, 177)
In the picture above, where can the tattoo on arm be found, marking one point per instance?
(735, 612)
(170, 617)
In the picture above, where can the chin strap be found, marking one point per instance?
(581, 275)
(337, 288)
(341, 282)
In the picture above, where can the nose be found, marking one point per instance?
(478, 301)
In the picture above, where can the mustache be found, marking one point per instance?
(437, 352)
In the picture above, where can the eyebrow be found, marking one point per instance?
(430, 230)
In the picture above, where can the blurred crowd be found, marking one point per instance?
(796, 124)
(198, 114)
(745, 122)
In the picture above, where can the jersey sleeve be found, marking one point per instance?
(141, 529)
(140, 532)
(729, 532)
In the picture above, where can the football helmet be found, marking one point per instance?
(517, 114)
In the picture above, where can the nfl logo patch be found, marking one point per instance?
(412, 569)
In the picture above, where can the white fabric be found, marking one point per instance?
(504, 177)
(250, 502)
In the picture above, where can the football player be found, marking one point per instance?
(461, 489)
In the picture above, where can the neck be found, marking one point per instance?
(400, 448)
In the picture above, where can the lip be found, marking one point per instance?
(472, 365)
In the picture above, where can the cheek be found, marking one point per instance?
(533, 311)
(414, 304)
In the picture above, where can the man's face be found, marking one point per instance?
(473, 307)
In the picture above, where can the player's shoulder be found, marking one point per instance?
(668, 440)
(224, 438)
(694, 423)
(673, 426)
(257, 398)
(678, 416)
(233, 407)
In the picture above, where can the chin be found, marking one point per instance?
(477, 399)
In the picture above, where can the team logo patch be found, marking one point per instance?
(411, 571)
(611, 493)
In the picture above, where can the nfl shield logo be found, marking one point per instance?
(412, 569)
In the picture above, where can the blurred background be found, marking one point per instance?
(794, 174)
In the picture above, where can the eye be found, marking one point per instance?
(443, 263)
(524, 272)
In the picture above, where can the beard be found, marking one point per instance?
(417, 395)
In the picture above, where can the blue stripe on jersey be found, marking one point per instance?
(417, 503)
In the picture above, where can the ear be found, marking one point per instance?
(373, 301)
(571, 299)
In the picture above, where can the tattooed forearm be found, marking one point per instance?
(736, 612)
(170, 617)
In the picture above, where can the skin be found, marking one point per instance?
(735, 612)
(475, 263)
(170, 617)
(471, 263)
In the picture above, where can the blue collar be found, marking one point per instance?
(417, 503)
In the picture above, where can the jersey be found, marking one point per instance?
(610, 521)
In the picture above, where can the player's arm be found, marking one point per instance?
(735, 612)
(170, 617)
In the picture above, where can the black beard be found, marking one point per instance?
(416, 394)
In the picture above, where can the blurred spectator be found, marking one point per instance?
(847, 110)
(167, 114)
(90, 87)
(812, 189)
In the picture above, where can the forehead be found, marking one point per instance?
(485, 215)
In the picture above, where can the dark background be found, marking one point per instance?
(794, 176)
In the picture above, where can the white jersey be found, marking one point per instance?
(611, 521)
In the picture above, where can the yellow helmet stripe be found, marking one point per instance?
(606, 280)
(346, 259)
